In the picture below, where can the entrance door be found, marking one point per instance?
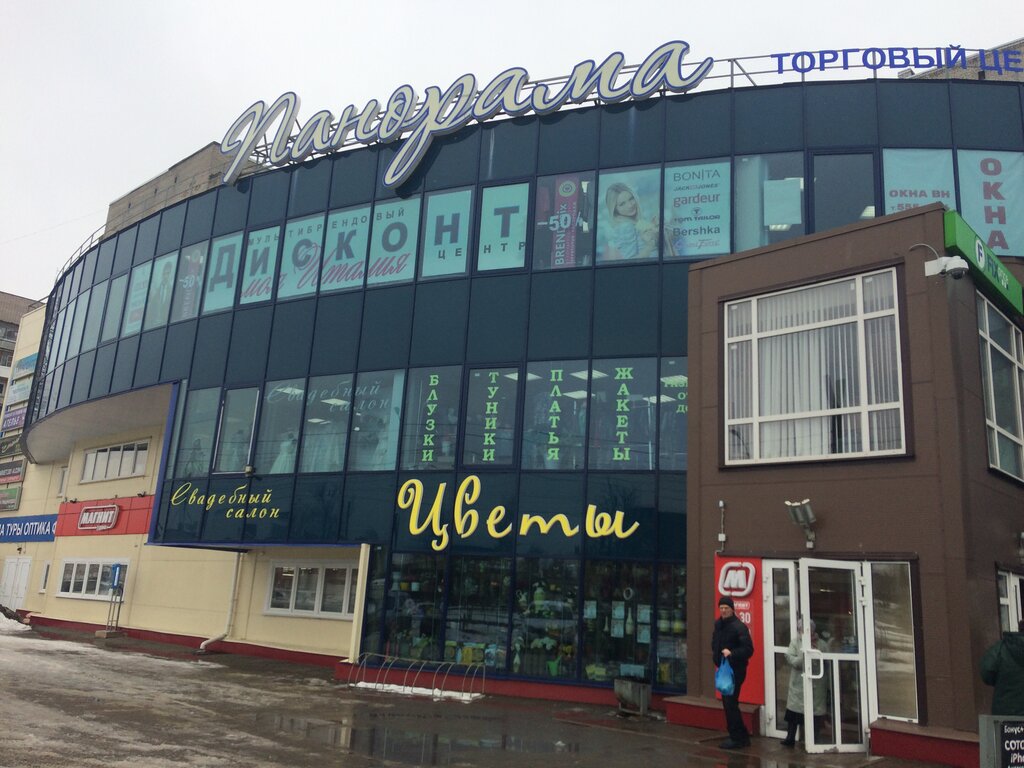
(14, 582)
(835, 686)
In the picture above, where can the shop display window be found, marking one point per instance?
(618, 611)
(161, 286)
(545, 625)
(345, 248)
(623, 414)
(769, 199)
(563, 215)
(78, 323)
(393, 238)
(138, 287)
(444, 249)
(325, 427)
(503, 227)
(415, 603)
(222, 275)
(300, 257)
(629, 226)
(669, 650)
(844, 190)
(555, 421)
(260, 265)
(277, 443)
(375, 421)
(431, 418)
(698, 209)
(491, 417)
(188, 284)
(476, 622)
(674, 384)
(234, 438)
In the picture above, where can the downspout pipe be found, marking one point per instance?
(231, 609)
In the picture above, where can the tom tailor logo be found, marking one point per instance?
(98, 518)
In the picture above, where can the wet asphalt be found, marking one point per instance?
(71, 700)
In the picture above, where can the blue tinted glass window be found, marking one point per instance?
(172, 221)
(564, 213)
(188, 283)
(145, 243)
(161, 287)
(698, 209)
(92, 322)
(325, 425)
(673, 408)
(269, 198)
(503, 226)
(555, 414)
(232, 207)
(234, 440)
(309, 183)
(623, 393)
(260, 265)
(629, 217)
(138, 287)
(375, 422)
(199, 218)
(491, 402)
(125, 250)
(844, 190)
(769, 205)
(277, 444)
(300, 258)
(508, 148)
(115, 303)
(222, 274)
(347, 241)
(431, 418)
(446, 226)
(393, 239)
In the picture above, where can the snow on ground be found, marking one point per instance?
(9, 625)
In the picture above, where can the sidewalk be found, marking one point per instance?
(298, 715)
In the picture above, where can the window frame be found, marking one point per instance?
(349, 597)
(94, 454)
(86, 565)
(1015, 357)
(861, 409)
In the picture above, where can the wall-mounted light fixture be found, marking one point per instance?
(802, 515)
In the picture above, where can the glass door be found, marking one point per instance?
(832, 597)
(780, 609)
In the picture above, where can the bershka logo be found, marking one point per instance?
(98, 518)
(736, 579)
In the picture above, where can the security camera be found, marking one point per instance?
(956, 268)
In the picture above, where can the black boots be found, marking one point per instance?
(790, 739)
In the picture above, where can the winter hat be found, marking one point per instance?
(725, 600)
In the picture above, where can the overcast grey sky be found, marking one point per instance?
(99, 97)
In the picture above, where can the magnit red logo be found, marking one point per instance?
(736, 579)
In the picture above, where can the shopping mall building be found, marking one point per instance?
(527, 399)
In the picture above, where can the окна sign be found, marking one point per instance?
(440, 112)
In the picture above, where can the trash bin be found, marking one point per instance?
(633, 694)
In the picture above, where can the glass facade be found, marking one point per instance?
(483, 373)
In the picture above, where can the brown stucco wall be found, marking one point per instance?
(939, 506)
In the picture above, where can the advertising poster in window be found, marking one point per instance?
(503, 222)
(375, 420)
(431, 418)
(555, 420)
(189, 283)
(992, 197)
(348, 236)
(300, 259)
(563, 234)
(697, 210)
(260, 265)
(673, 411)
(393, 242)
(622, 418)
(222, 276)
(446, 233)
(161, 286)
(916, 177)
(137, 290)
(490, 416)
(629, 218)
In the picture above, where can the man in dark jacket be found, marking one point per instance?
(731, 640)
(1003, 666)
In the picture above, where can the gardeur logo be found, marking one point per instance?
(98, 518)
(736, 579)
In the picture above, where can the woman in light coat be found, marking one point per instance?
(795, 697)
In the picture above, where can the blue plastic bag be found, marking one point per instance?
(725, 683)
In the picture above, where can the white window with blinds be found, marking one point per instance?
(1002, 373)
(815, 373)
